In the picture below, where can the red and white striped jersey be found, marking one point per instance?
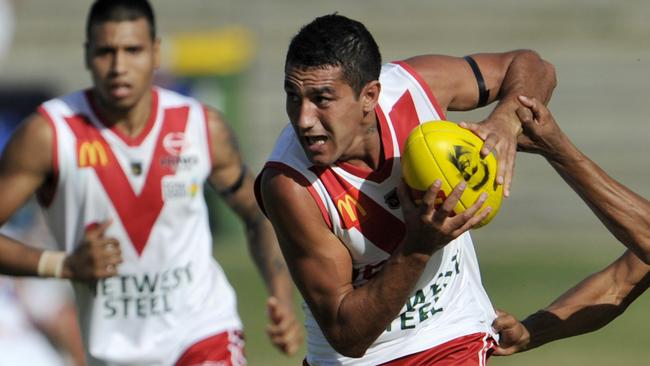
(169, 292)
(363, 211)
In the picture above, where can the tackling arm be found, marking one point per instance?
(623, 212)
(588, 306)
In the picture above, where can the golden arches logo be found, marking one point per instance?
(345, 205)
(92, 153)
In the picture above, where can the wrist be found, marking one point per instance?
(564, 154)
(51, 264)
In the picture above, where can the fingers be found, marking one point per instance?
(509, 167)
(97, 256)
(429, 198)
(471, 216)
(97, 229)
(525, 115)
(448, 206)
(284, 330)
(504, 149)
(475, 128)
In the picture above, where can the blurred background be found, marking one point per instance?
(230, 54)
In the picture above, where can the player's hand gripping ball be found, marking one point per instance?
(443, 150)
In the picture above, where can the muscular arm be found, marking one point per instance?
(623, 212)
(24, 166)
(352, 318)
(506, 75)
(588, 306)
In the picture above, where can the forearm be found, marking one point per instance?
(591, 304)
(365, 312)
(265, 251)
(17, 259)
(623, 212)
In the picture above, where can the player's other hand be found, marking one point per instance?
(499, 135)
(513, 336)
(542, 135)
(284, 330)
(430, 225)
(97, 256)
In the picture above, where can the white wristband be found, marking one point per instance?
(50, 264)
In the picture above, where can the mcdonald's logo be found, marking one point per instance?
(92, 153)
(344, 205)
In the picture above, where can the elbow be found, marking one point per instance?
(639, 244)
(551, 76)
(543, 68)
(350, 349)
(644, 254)
(349, 346)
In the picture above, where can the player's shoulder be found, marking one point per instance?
(36, 128)
(168, 98)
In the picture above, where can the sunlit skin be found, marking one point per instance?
(122, 58)
(331, 122)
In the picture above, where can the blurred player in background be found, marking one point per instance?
(119, 169)
(386, 281)
(604, 295)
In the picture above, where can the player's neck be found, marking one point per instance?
(130, 121)
(369, 153)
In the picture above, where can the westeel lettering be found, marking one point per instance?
(92, 153)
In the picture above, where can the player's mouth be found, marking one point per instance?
(120, 90)
(315, 143)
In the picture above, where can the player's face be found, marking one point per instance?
(122, 57)
(325, 113)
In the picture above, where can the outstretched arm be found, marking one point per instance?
(234, 182)
(588, 306)
(505, 76)
(623, 212)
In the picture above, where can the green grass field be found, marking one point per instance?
(518, 279)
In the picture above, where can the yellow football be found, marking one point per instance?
(443, 150)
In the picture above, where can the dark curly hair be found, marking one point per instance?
(120, 10)
(335, 40)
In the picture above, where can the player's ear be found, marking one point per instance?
(156, 54)
(370, 95)
(87, 55)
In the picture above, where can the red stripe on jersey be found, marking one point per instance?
(47, 191)
(137, 213)
(424, 87)
(361, 212)
(300, 179)
(129, 140)
(404, 116)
